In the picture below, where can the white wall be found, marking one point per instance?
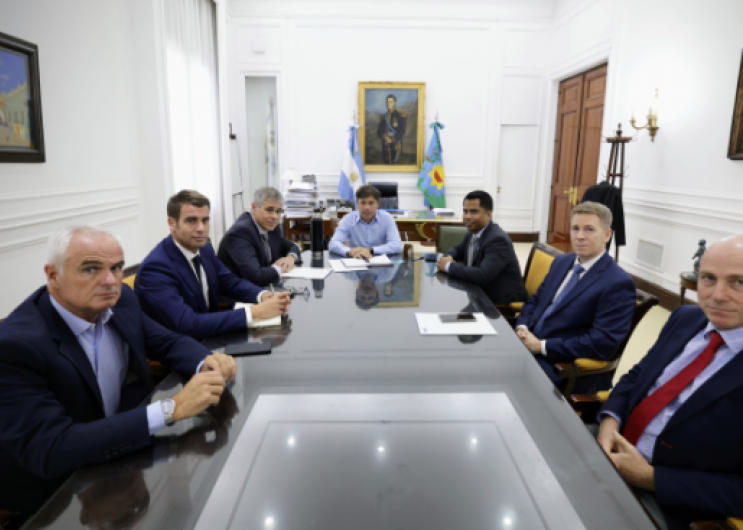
(93, 136)
(680, 188)
(478, 61)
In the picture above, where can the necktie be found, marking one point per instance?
(266, 249)
(577, 270)
(658, 400)
(471, 251)
(197, 265)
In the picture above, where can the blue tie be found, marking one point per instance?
(572, 283)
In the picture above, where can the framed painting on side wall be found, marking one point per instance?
(735, 149)
(391, 125)
(21, 130)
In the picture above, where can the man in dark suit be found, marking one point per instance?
(679, 409)
(180, 281)
(253, 247)
(487, 253)
(73, 367)
(584, 307)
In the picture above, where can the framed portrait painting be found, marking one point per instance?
(735, 149)
(391, 125)
(21, 131)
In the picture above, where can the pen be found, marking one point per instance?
(272, 291)
(365, 259)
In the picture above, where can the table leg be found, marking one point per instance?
(681, 296)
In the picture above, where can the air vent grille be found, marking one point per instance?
(650, 253)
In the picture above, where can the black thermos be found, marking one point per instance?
(318, 285)
(316, 234)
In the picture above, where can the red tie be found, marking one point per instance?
(658, 400)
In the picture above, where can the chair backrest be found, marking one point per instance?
(538, 265)
(644, 303)
(130, 274)
(448, 236)
(388, 190)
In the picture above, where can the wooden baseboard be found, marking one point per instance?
(668, 299)
(524, 237)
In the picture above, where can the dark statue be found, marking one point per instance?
(698, 256)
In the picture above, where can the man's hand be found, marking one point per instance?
(286, 263)
(442, 262)
(199, 393)
(222, 364)
(606, 434)
(633, 467)
(272, 305)
(532, 343)
(359, 252)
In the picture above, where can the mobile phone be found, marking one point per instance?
(457, 317)
(248, 348)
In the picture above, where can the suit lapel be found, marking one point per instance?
(723, 382)
(584, 283)
(121, 322)
(186, 273)
(478, 250)
(561, 270)
(70, 348)
(256, 236)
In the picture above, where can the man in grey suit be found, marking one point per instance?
(487, 254)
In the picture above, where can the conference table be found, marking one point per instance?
(357, 420)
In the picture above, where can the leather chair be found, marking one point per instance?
(448, 236)
(388, 190)
(587, 367)
(538, 265)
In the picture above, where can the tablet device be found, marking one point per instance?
(248, 348)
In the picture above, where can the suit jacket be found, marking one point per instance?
(52, 419)
(241, 250)
(697, 457)
(591, 320)
(495, 267)
(171, 295)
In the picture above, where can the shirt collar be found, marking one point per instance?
(187, 253)
(477, 235)
(733, 337)
(587, 265)
(360, 220)
(75, 323)
(261, 231)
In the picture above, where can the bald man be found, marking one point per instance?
(672, 425)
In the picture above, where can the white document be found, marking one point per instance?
(260, 322)
(339, 267)
(430, 324)
(307, 273)
(374, 261)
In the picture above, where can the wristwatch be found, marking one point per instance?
(168, 406)
(371, 251)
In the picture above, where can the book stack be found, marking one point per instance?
(301, 198)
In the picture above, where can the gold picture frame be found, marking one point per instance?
(392, 141)
(735, 146)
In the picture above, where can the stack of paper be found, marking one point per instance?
(260, 322)
(300, 200)
(307, 273)
(374, 261)
(339, 267)
(444, 212)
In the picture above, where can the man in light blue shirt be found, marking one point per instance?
(672, 424)
(368, 231)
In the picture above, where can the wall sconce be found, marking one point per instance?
(652, 124)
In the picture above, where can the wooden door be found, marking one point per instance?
(577, 148)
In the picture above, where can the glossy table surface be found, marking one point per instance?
(355, 420)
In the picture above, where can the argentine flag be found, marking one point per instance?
(352, 171)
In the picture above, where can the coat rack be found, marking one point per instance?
(615, 169)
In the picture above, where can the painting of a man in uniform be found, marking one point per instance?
(389, 132)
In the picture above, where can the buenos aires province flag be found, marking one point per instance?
(352, 171)
(431, 178)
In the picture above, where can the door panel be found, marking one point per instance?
(577, 148)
